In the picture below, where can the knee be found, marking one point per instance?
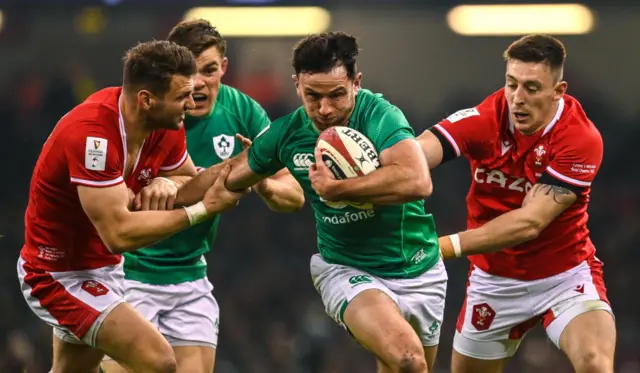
(165, 364)
(408, 361)
(594, 362)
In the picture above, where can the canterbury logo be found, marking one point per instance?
(302, 161)
(359, 279)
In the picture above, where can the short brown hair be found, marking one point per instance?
(197, 35)
(151, 65)
(320, 53)
(538, 48)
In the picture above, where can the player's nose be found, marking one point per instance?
(325, 107)
(198, 82)
(518, 96)
(190, 104)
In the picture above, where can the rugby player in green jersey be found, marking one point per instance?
(167, 283)
(379, 270)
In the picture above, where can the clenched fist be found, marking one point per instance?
(160, 194)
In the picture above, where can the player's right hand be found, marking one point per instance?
(160, 194)
(218, 198)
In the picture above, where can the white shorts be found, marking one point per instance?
(187, 314)
(75, 303)
(499, 311)
(420, 299)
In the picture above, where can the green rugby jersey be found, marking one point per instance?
(391, 241)
(210, 140)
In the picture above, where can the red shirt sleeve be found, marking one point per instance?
(578, 160)
(176, 142)
(92, 157)
(465, 132)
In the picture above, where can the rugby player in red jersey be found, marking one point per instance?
(533, 154)
(78, 220)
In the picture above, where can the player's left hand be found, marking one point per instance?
(322, 179)
(160, 194)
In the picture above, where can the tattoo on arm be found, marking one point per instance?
(558, 193)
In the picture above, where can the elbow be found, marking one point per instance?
(297, 204)
(299, 199)
(294, 204)
(117, 242)
(117, 246)
(422, 188)
(532, 230)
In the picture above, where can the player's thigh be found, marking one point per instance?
(75, 304)
(589, 341)
(375, 320)
(365, 307)
(466, 364)
(132, 341)
(195, 359)
(149, 303)
(422, 301)
(430, 353)
(74, 357)
(579, 319)
(496, 314)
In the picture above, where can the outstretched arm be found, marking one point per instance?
(541, 206)
(123, 230)
(240, 178)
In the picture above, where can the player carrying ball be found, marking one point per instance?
(533, 154)
(379, 274)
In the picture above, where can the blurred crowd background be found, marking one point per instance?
(54, 54)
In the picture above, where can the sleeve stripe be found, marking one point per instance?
(95, 183)
(450, 138)
(175, 166)
(567, 179)
(263, 131)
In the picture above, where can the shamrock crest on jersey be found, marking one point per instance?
(223, 145)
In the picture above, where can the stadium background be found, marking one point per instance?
(55, 53)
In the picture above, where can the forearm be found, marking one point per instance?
(281, 194)
(194, 189)
(507, 230)
(144, 228)
(387, 185)
(180, 181)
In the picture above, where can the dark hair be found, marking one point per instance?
(152, 65)
(538, 48)
(320, 53)
(198, 35)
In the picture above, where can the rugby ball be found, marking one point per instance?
(347, 153)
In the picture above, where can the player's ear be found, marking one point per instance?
(296, 83)
(560, 90)
(145, 99)
(223, 67)
(356, 82)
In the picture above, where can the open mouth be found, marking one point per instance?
(199, 97)
(520, 116)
